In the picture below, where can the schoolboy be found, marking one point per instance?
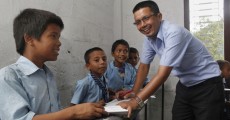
(120, 74)
(134, 59)
(27, 88)
(225, 73)
(93, 87)
(225, 68)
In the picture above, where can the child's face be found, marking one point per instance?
(133, 59)
(226, 71)
(47, 48)
(97, 63)
(120, 54)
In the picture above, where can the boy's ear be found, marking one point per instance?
(112, 54)
(87, 66)
(28, 39)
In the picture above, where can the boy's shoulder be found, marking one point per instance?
(86, 80)
(11, 67)
(10, 71)
(111, 66)
(129, 66)
(111, 63)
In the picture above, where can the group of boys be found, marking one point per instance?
(105, 81)
(28, 89)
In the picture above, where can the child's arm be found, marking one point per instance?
(80, 92)
(80, 111)
(122, 93)
(15, 103)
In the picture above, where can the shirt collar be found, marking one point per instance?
(159, 34)
(101, 78)
(28, 67)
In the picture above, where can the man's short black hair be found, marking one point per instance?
(32, 22)
(119, 42)
(89, 51)
(151, 4)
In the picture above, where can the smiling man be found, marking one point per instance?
(199, 92)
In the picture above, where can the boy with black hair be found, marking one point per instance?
(225, 73)
(120, 74)
(225, 68)
(93, 87)
(27, 88)
(134, 59)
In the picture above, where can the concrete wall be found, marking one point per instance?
(89, 23)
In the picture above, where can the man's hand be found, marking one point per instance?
(129, 105)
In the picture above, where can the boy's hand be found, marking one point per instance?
(101, 102)
(124, 94)
(89, 111)
(130, 95)
(112, 94)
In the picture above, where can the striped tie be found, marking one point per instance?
(102, 86)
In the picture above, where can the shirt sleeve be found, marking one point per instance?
(79, 92)
(148, 52)
(175, 48)
(14, 101)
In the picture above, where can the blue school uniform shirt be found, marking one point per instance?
(86, 91)
(146, 80)
(178, 48)
(26, 90)
(115, 81)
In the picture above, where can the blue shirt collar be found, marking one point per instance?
(28, 67)
(91, 78)
(159, 34)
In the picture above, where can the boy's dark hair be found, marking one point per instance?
(119, 42)
(89, 51)
(133, 50)
(221, 63)
(151, 4)
(32, 22)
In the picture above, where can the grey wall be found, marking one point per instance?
(89, 23)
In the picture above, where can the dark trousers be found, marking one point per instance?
(227, 112)
(204, 101)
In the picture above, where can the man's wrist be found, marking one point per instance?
(140, 102)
